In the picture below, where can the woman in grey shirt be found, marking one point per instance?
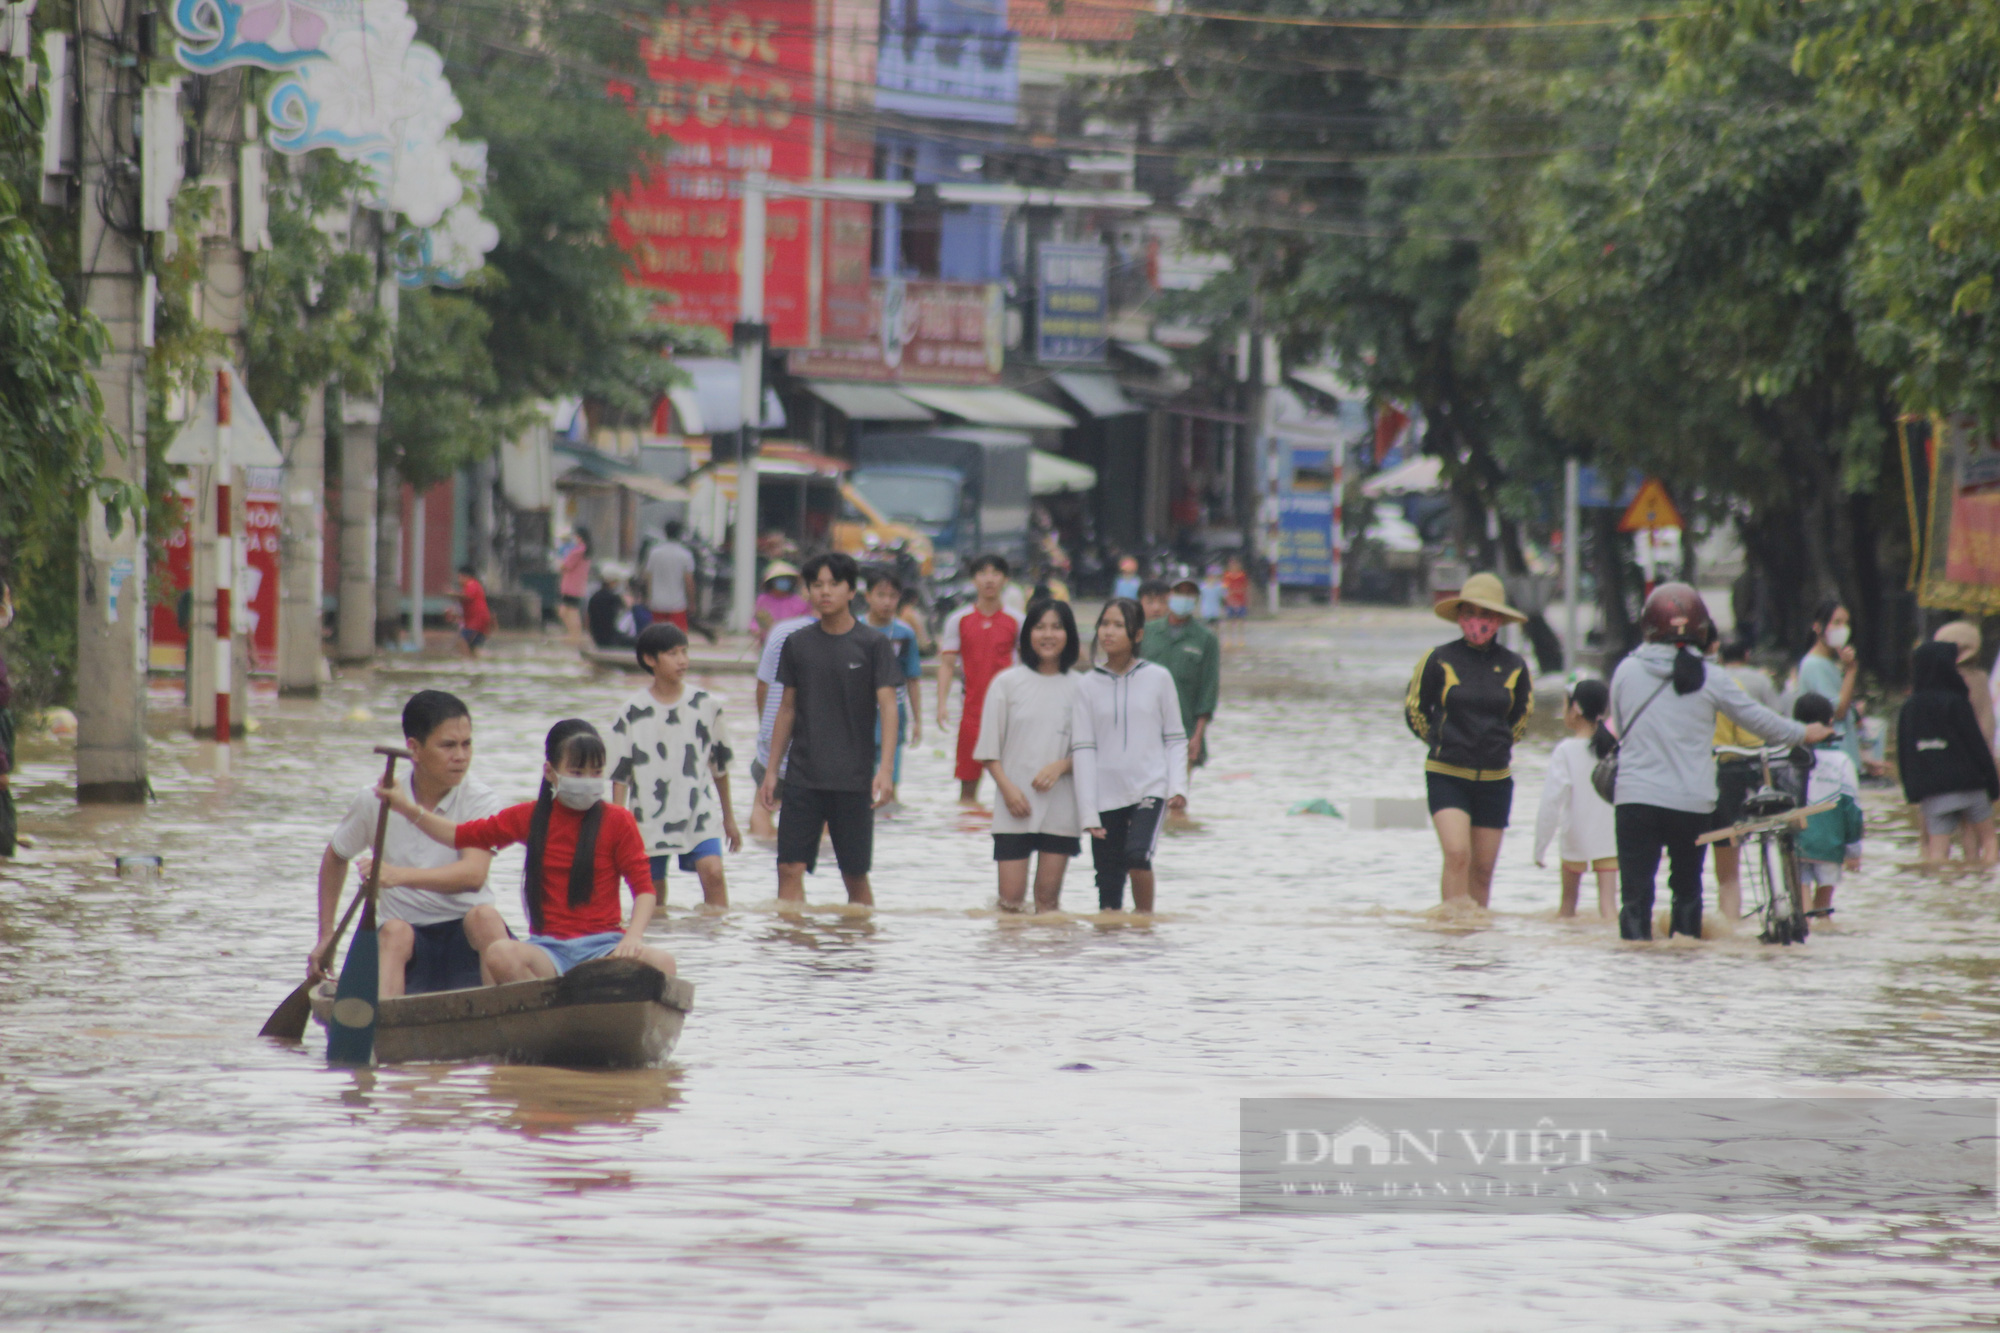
(1663, 705)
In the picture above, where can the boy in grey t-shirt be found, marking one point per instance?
(840, 679)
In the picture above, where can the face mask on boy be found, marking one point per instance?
(577, 791)
(1180, 604)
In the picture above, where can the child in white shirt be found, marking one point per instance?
(1569, 802)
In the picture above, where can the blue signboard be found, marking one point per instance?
(1305, 541)
(1071, 303)
(1305, 517)
(1593, 493)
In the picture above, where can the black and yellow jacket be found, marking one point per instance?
(1470, 705)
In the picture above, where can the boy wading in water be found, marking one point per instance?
(670, 766)
(980, 638)
(578, 849)
(840, 679)
(885, 596)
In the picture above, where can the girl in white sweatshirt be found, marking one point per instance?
(1129, 757)
(1569, 802)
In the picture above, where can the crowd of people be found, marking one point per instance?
(1100, 748)
(1674, 745)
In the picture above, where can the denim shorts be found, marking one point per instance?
(566, 954)
(688, 859)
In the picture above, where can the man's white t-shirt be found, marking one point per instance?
(667, 568)
(406, 845)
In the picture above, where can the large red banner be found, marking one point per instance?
(733, 90)
(257, 601)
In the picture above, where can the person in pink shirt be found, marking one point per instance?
(984, 636)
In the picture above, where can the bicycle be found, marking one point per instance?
(1774, 818)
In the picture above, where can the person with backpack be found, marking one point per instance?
(1947, 769)
(1830, 843)
(1664, 701)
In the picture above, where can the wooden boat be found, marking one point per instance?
(609, 1013)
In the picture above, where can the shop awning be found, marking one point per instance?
(1420, 475)
(1152, 353)
(1327, 382)
(1096, 393)
(1050, 474)
(589, 466)
(991, 407)
(718, 397)
(868, 402)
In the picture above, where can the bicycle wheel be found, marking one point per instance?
(1776, 925)
(1794, 892)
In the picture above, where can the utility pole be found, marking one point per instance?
(301, 553)
(218, 635)
(354, 635)
(1267, 413)
(749, 339)
(111, 566)
(1572, 546)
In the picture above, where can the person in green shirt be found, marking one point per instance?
(1188, 649)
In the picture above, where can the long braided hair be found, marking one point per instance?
(574, 743)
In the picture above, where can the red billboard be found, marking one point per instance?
(256, 598)
(733, 89)
(918, 333)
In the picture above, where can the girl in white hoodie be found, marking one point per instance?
(1569, 802)
(1129, 757)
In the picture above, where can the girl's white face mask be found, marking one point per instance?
(579, 792)
(1836, 637)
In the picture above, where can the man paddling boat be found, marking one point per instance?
(436, 912)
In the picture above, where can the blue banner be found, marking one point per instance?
(1072, 303)
(1305, 540)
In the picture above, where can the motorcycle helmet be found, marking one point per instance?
(1675, 613)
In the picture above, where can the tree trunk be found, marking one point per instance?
(1607, 562)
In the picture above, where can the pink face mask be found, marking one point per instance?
(1478, 630)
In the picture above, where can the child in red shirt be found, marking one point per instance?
(572, 901)
(475, 618)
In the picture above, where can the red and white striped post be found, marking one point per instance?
(225, 561)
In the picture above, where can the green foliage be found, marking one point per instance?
(440, 407)
(531, 75)
(1912, 83)
(312, 317)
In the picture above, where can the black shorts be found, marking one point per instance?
(849, 816)
(1019, 846)
(1131, 835)
(576, 602)
(441, 959)
(1735, 779)
(1488, 801)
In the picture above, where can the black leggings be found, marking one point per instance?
(1643, 830)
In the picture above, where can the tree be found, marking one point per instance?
(439, 407)
(1682, 299)
(533, 77)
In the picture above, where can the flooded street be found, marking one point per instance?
(928, 1117)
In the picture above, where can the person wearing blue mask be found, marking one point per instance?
(1190, 652)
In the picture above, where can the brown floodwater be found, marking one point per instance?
(928, 1116)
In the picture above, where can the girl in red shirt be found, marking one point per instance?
(579, 847)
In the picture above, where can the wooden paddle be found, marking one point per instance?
(288, 1021)
(350, 1035)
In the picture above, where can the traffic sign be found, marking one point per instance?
(1651, 509)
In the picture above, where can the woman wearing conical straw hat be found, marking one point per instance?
(1469, 702)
